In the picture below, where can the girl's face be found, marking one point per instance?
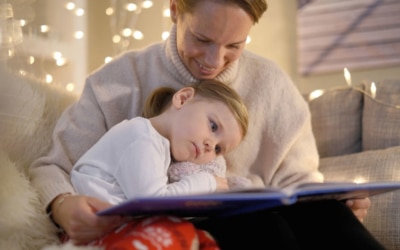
(202, 129)
(212, 37)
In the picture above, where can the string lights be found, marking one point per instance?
(10, 31)
(370, 94)
(49, 53)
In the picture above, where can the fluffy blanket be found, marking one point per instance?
(28, 111)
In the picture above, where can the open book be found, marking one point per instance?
(246, 200)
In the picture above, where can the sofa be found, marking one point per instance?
(357, 131)
(357, 137)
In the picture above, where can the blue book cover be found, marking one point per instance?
(246, 200)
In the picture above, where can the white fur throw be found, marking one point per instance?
(28, 111)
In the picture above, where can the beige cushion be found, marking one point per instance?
(383, 219)
(336, 121)
(381, 116)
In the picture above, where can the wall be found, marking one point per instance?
(275, 37)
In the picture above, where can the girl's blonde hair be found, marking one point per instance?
(160, 99)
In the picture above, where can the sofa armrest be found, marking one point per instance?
(374, 165)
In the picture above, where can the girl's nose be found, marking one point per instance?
(209, 145)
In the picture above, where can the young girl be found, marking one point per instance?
(195, 124)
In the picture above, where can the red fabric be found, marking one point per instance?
(158, 233)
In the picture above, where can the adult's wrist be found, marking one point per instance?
(55, 205)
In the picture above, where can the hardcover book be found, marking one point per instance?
(246, 200)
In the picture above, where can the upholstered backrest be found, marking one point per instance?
(336, 121)
(381, 116)
(374, 130)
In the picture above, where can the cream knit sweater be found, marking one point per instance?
(279, 149)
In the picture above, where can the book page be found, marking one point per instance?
(343, 190)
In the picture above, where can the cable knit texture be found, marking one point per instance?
(217, 167)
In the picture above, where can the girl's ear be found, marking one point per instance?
(182, 96)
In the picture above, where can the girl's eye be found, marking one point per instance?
(214, 126)
(217, 149)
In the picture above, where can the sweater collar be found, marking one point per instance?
(175, 64)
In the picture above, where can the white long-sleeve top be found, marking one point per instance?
(132, 160)
(279, 149)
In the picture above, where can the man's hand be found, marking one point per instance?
(359, 207)
(76, 214)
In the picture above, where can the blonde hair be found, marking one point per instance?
(160, 99)
(254, 8)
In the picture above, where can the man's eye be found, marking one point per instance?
(217, 149)
(214, 126)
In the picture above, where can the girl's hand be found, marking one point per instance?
(76, 214)
(222, 183)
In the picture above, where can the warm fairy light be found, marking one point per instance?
(80, 12)
(10, 52)
(116, 39)
(167, 13)
(126, 32)
(70, 6)
(359, 180)
(49, 78)
(44, 28)
(109, 11)
(22, 22)
(131, 7)
(57, 55)
(373, 90)
(31, 60)
(79, 34)
(347, 76)
(107, 59)
(138, 35)
(70, 87)
(248, 40)
(147, 4)
(61, 61)
(315, 94)
(165, 35)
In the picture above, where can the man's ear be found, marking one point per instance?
(182, 96)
